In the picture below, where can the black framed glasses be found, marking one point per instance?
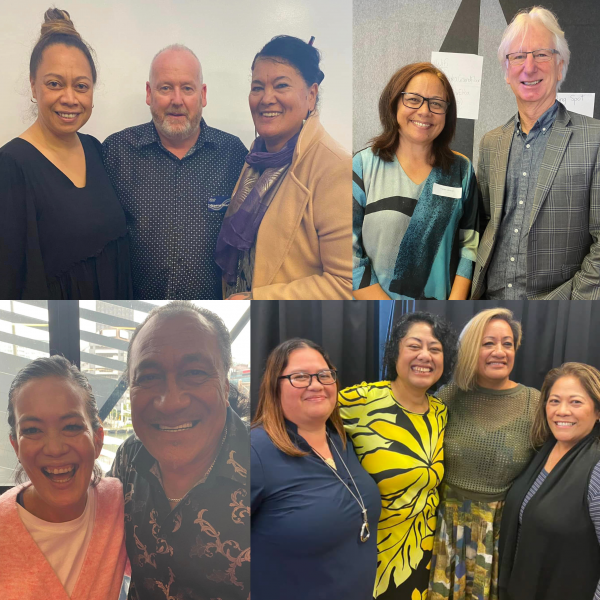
(436, 105)
(303, 380)
(539, 56)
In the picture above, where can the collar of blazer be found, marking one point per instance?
(555, 149)
(285, 211)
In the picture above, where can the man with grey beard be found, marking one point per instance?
(174, 177)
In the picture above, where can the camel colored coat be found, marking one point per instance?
(304, 243)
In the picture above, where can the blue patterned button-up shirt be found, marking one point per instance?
(507, 273)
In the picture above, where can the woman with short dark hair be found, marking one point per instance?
(397, 429)
(286, 233)
(62, 527)
(415, 209)
(63, 228)
(314, 509)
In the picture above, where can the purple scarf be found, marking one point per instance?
(249, 204)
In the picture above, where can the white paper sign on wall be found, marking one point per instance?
(464, 74)
(580, 103)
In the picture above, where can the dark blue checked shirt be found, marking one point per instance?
(174, 208)
(507, 274)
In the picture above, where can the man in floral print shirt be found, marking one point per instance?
(185, 470)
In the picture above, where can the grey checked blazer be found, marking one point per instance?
(563, 249)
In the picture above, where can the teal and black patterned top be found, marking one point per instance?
(413, 239)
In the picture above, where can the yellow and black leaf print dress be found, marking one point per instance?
(403, 452)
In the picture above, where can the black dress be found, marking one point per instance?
(58, 241)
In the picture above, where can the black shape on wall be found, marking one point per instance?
(464, 137)
(463, 35)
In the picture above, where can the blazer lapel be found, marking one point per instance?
(553, 155)
(498, 174)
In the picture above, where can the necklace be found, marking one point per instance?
(178, 500)
(364, 530)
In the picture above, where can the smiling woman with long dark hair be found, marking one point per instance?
(415, 200)
(63, 229)
(286, 234)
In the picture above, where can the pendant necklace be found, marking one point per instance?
(364, 530)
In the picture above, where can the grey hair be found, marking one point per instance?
(518, 29)
(177, 307)
(53, 366)
(178, 48)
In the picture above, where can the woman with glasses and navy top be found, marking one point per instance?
(415, 208)
(397, 429)
(314, 508)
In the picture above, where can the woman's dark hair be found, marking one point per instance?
(59, 29)
(54, 366)
(442, 331)
(588, 377)
(386, 143)
(303, 57)
(269, 413)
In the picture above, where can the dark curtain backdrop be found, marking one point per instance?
(554, 332)
(349, 332)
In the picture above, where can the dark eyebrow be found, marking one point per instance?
(147, 363)
(198, 357)
(61, 77)
(64, 417)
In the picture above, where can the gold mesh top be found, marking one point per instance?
(487, 438)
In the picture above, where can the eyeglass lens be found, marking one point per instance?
(416, 101)
(305, 379)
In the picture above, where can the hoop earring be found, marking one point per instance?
(34, 101)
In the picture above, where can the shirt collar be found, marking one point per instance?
(148, 135)
(234, 453)
(544, 122)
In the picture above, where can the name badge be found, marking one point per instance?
(219, 203)
(445, 190)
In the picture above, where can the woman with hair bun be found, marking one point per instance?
(64, 232)
(62, 529)
(487, 446)
(286, 233)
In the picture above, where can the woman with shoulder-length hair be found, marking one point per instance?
(62, 527)
(550, 542)
(314, 509)
(487, 445)
(415, 206)
(397, 429)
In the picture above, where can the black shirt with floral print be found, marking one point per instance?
(200, 550)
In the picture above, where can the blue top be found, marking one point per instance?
(174, 208)
(305, 524)
(507, 273)
(412, 239)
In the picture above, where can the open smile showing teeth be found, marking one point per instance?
(174, 428)
(422, 125)
(67, 115)
(60, 474)
(270, 114)
(564, 424)
(531, 82)
(422, 369)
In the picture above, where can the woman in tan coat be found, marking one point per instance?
(287, 232)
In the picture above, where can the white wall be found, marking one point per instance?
(225, 35)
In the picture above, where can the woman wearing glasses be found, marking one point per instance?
(312, 503)
(415, 200)
(397, 430)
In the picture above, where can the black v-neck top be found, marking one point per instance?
(59, 241)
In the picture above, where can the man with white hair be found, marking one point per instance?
(539, 178)
(174, 177)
